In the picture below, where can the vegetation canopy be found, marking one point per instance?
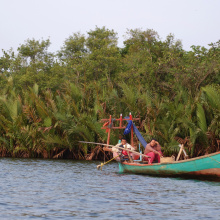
(50, 101)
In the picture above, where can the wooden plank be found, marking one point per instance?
(181, 150)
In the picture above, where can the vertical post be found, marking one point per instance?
(181, 150)
(110, 120)
(132, 131)
(120, 121)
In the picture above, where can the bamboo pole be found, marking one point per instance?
(132, 151)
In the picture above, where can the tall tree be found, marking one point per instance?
(72, 56)
(104, 56)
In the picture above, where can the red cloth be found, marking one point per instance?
(125, 152)
(153, 157)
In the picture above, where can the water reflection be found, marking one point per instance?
(72, 189)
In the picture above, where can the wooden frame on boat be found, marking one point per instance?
(109, 124)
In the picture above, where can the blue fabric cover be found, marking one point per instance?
(139, 136)
(136, 131)
(128, 128)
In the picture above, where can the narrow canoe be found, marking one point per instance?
(204, 166)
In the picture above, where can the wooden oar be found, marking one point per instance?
(135, 152)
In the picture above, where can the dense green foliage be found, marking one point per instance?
(48, 102)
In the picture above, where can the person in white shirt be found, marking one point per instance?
(123, 153)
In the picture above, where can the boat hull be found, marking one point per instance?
(205, 166)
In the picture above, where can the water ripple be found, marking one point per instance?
(65, 189)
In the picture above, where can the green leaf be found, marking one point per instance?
(47, 122)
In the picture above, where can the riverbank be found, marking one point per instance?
(96, 153)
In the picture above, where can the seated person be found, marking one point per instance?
(153, 150)
(123, 144)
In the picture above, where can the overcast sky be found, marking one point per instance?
(194, 22)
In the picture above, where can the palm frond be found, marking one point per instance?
(213, 96)
(201, 118)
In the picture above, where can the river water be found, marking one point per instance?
(65, 189)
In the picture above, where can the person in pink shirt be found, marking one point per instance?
(153, 150)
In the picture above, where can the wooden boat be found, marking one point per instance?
(207, 166)
(204, 166)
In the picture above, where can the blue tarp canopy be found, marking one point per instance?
(136, 131)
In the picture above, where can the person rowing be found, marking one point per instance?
(123, 153)
(114, 148)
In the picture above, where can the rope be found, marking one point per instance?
(214, 159)
(102, 164)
